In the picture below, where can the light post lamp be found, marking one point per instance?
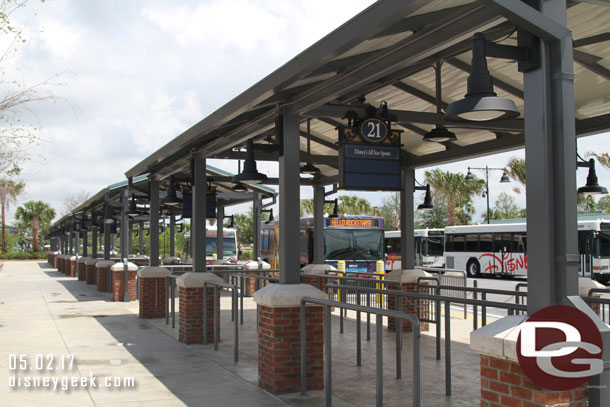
(470, 178)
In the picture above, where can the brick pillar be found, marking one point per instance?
(118, 281)
(152, 291)
(82, 268)
(65, 268)
(279, 360)
(503, 383)
(408, 283)
(102, 268)
(55, 255)
(60, 263)
(72, 266)
(90, 271)
(190, 321)
(251, 283)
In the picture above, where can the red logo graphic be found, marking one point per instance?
(560, 348)
(505, 263)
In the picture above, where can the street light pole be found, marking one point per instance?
(470, 178)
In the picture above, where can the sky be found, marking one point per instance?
(129, 76)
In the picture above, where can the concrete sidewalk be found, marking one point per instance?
(45, 315)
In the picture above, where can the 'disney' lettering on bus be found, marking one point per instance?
(505, 263)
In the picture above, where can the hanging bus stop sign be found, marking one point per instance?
(369, 156)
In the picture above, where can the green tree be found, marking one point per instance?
(354, 205)
(244, 223)
(516, 170)
(38, 215)
(603, 205)
(9, 190)
(390, 211)
(585, 203)
(505, 207)
(457, 194)
(307, 207)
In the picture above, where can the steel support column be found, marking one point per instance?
(550, 149)
(257, 207)
(85, 242)
(407, 223)
(220, 214)
(153, 222)
(172, 235)
(71, 242)
(130, 239)
(289, 193)
(141, 238)
(318, 224)
(94, 242)
(198, 222)
(125, 238)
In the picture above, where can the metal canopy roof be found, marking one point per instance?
(225, 196)
(387, 53)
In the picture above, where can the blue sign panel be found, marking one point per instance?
(187, 206)
(367, 167)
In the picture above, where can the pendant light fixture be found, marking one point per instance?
(171, 199)
(250, 175)
(309, 168)
(239, 187)
(481, 103)
(439, 134)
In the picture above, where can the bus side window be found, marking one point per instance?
(472, 242)
(486, 240)
(458, 243)
(519, 243)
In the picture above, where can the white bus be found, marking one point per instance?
(502, 249)
(429, 248)
(229, 249)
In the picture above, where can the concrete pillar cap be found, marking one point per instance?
(498, 339)
(83, 259)
(119, 266)
(196, 280)
(585, 284)
(153, 272)
(104, 263)
(72, 258)
(406, 276)
(287, 295)
(318, 268)
(253, 265)
(92, 262)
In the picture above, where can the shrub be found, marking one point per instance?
(22, 255)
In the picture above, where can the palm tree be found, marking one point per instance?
(516, 171)
(455, 192)
(354, 205)
(36, 214)
(9, 190)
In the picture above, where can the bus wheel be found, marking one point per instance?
(473, 268)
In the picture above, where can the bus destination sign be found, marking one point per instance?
(351, 223)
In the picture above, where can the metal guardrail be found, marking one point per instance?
(217, 286)
(453, 278)
(380, 313)
(447, 303)
(603, 303)
(520, 299)
(170, 299)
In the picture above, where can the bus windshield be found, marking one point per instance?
(350, 244)
(228, 248)
(604, 243)
(433, 246)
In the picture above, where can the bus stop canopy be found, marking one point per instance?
(390, 53)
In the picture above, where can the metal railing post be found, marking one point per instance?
(447, 350)
(328, 363)
(216, 301)
(167, 279)
(475, 311)
(358, 334)
(173, 301)
(205, 315)
(379, 361)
